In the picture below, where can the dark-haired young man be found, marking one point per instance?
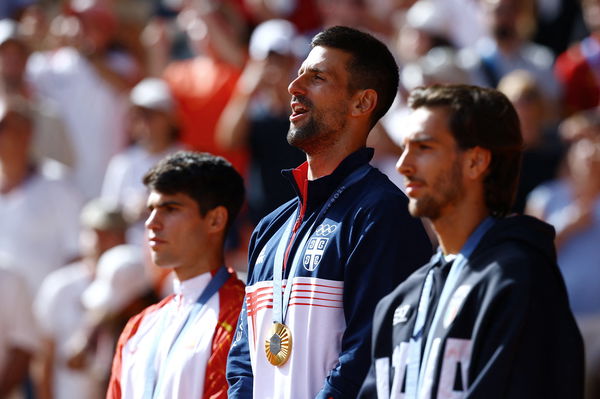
(488, 316)
(319, 263)
(178, 347)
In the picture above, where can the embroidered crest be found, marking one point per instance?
(314, 252)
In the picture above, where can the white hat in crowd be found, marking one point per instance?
(103, 215)
(278, 36)
(120, 278)
(9, 30)
(154, 94)
(426, 16)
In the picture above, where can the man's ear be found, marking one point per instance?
(364, 102)
(478, 160)
(217, 219)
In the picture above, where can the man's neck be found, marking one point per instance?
(325, 162)
(202, 266)
(454, 229)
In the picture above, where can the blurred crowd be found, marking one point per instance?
(94, 92)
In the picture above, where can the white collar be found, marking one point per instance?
(189, 290)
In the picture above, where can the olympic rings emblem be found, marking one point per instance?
(325, 229)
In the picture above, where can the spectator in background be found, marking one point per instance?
(426, 54)
(155, 132)
(257, 115)
(440, 64)
(571, 204)
(202, 85)
(463, 20)
(39, 213)
(543, 150)
(559, 24)
(510, 24)
(61, 316)
(87, 78)
(122, 288)
(354, 13)
(303, 14)
(578, 68)
(19, 340)
(423, 27)
(51, 140)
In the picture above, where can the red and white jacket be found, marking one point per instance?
(185, 364)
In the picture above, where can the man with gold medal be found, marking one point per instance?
(319, 263)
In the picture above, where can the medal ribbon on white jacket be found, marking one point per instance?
(278, 343)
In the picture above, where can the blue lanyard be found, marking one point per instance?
(281, 300)
(214, 285)
(416, 367)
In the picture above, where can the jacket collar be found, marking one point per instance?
(316, 192)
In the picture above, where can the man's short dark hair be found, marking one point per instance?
(482, 117)
(372, 65)
(208, 179)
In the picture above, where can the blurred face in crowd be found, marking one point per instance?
(177, 232)
(413, 43)
(97, 28)
(530, 108)
(501, 17)
(509, 19)
(278, 69)
(342, 12)
(15, 136)
(584, 159)
(152, 129)
(320, 99)
(591, 14)
(431, 164)
(13, 58)
(94, 242)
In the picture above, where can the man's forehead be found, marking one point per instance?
(156, 197)
(325, 58)
(427, 123)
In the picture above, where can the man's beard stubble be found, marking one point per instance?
(319, 132)
(448, 190)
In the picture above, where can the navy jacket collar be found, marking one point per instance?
(318, 191)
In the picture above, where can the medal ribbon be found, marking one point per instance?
(281, 300)
(416, 368)
(414, 349)
(214, 285)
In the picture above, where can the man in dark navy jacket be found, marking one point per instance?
(319, 263)
(488, 316)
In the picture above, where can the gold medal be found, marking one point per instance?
(278, 345)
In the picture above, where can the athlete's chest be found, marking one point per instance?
(318, 248)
